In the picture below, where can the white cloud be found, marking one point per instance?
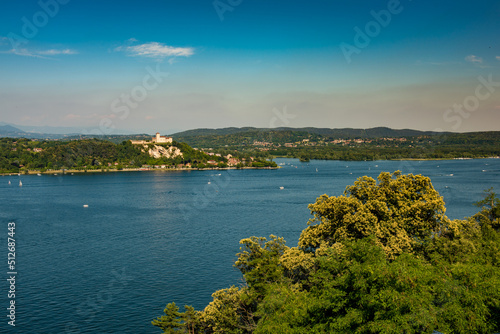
(40, 53)
(53, 52)
(497, 57)
(156, 50)
(474, 59)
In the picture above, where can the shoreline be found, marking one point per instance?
(79, 171)
(402, 159)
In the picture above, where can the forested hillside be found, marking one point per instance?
(372, 144)
(326, 132)
(381, 258)
(23, 155)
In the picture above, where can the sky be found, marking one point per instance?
(108, 67)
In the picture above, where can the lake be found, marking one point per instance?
(150, 238)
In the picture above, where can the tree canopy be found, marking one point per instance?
(401, 211)
(23, 155)
(380, 258)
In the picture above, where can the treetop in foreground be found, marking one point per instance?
(380, 258)
(400, 211)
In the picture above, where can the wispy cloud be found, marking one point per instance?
(155, 50)
(54, 52)
(436, 63)
(474, 59)
(40, 53)
(498, 58)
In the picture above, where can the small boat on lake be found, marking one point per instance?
(20, 183)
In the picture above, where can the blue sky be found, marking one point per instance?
(147, 66)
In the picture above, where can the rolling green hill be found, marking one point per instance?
(24, 155)
(377, 132)
(346, 144)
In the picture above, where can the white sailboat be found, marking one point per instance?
(9, 181)
(20, 183)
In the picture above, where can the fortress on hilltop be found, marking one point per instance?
(161, 139)
(157, 139)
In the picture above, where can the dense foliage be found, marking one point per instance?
(22, 155)
(381, 258)
(325, 132)
(350, 145)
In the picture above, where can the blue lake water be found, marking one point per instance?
(149, 238)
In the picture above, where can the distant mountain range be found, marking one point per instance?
(10, 131)
(249, 136)
(377, 132)
(50, 132)
(46, 132)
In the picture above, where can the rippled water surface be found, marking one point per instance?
(148, 238)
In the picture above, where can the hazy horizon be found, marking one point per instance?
(125, 132)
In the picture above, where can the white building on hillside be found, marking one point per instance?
(156, 139)
(161, 139)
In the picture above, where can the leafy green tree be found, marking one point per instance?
(284, 310)
(174, 321)
(259, 261)
(228, 313)
(490, 212)
(402, 212)
(191, 319)
(171, 321)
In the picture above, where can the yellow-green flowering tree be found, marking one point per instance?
(401, 212)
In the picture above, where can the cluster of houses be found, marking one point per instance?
(306, 142)
(35, 150)
(231, 162)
